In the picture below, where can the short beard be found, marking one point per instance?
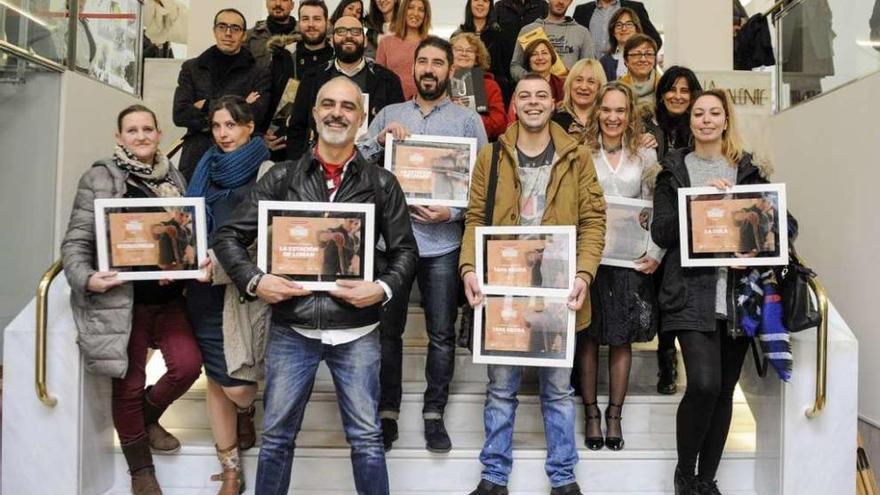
(350, 57)
(334, 137)
(319, 40)
(435, 94)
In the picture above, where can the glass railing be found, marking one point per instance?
(824, 44)
(100, 38)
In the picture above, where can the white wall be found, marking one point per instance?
(827, 151)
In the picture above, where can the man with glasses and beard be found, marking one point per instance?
(438, 232)
(382, 85)
(292, 56)
(339, 326)
(279, 22)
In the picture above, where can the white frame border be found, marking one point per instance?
(426, 138)
(503, 290)
(566, 362)
(620, 200)
(368, 209)
(102, 242)
(687, 261)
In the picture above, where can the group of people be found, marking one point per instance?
(552, 144)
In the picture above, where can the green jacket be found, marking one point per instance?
(574, 197)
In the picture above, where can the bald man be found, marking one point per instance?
(381, 84)
(337, 326)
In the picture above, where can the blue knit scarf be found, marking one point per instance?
(762, 316)
(227, 171)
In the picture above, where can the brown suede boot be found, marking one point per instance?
(140, 466)
(232, 475)
(161, 442)
(247, 433)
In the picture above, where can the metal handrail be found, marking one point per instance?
(41, 334)
(821, 351)
(20, 52)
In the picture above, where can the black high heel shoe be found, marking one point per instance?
(614, 443)
(591, 414)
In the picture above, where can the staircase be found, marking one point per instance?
(322, 465)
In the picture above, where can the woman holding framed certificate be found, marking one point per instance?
(623, 296)
(118, 320)
(224, 177)
(697, 303)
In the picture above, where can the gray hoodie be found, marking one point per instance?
(571, 41)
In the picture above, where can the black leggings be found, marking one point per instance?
(713, 362)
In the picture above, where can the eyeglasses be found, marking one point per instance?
(353, 32)
(644, 55)
(625, 25)
(464, 51)
(222, 27)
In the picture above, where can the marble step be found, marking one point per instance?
(322, 464)
(213, 491)
(643, 412)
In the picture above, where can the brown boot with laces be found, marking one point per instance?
(232, 477)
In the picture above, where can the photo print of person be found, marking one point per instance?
(432, 170)
(150, 241)
(525, 326)
(316, 248)
(721, 224)
(538, 261)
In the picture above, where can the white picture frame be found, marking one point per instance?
(105, 245)
(317, 210)
(615, 222)
(457, 182)
(364, 129)
(775, 248)
(564, 359)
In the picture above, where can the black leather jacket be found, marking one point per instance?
(362, 183)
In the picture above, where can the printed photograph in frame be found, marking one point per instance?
(151, 238)
(715, 226)
(524, 331)
(627, 230)
(432, 170)
(316, 244)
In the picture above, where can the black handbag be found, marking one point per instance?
(797, 295)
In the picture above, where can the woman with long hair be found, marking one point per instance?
(378, 22)
(624, 301)
(642, 75)
(704, 321)
(479, 18)
(351, 8)
(224, 177)
(622, 26)
(397, 51)
(119, 321)
(469, 52)
(580, 90)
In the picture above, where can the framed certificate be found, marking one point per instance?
(627, 230)
(432, 170)
(524, 331)
(715, 226)
(526, 274)
(364, 129)
(151, 238)
(316, 244)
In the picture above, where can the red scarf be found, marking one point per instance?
(332, 171)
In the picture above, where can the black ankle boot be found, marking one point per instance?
(706, 487)
(684, 484)
(614, 442)
(436, 438)
(667, 362)
(569, 489)
(389, 432)
(592, 415)
(489, 488)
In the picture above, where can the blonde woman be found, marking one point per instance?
(624, 301)
(468, 51)
(700, 318)
(397, 51)
(579, 94)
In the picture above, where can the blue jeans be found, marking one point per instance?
(557, 407)
(439, 284)
(291, 364)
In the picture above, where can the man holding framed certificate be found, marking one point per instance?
(535, 175)
(337, 326)
(428, 169)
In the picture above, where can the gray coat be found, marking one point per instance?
(103, 321)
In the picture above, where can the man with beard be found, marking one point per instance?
(338, 327)
(381, 84)
(292, 56)
(228, 68)
(529, 154)
(279, 22)
(438, 232)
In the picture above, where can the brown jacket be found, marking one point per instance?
(574, 197)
